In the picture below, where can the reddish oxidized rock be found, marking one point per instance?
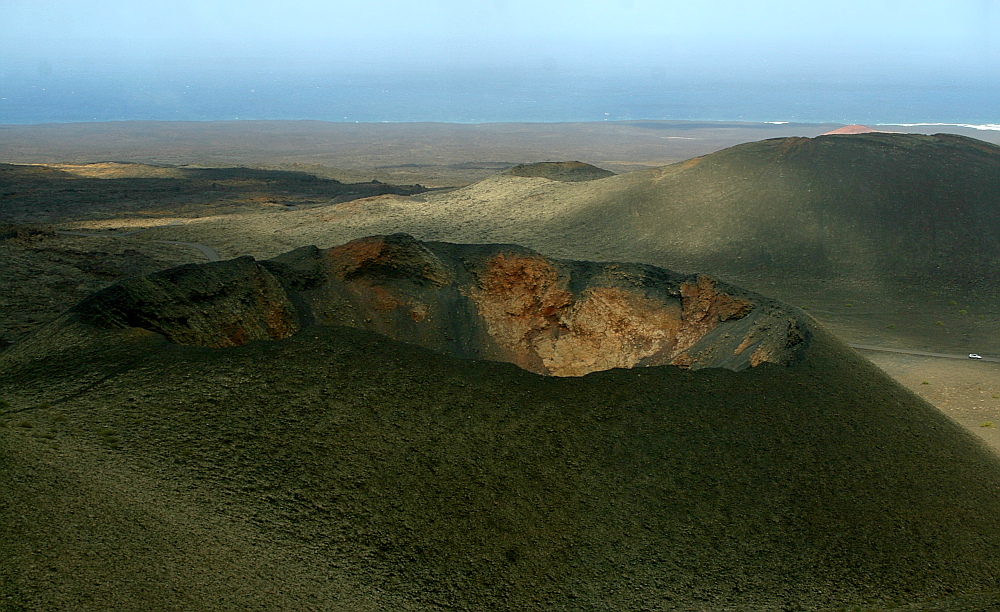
(498, 302)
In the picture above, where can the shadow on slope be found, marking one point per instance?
(896, 208)
(65, 193)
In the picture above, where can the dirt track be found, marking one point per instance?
(209, 253)
(885, 349)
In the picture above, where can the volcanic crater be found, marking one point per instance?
(494, 302)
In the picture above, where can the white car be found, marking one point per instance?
(975, 356)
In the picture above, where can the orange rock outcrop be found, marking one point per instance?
(498, 302)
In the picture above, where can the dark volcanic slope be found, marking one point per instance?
(571, 171)
(900, 206)
(339, 470)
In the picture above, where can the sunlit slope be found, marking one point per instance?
(345, 471)
(870, 205)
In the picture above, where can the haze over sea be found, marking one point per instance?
(49, 92)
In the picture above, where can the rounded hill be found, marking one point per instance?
(883, 207)
(568, 171)
(895, 207)
(852, 129)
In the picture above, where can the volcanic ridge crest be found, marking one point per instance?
(495, 302)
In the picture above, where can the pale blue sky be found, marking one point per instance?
(820, 34)
(855, 61)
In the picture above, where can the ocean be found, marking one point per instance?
(53, 94)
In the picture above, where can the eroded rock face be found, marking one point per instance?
(545, 327)
(498, 302)
(219, 304)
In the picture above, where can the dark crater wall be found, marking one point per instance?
(494, 302)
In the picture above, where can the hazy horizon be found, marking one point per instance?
(441, 60)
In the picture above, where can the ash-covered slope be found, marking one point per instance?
(338, 470)
(883, 207)
(898, 207)
(496, 302)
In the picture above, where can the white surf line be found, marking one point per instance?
(974, 126)
(885, 349)
(209, 253)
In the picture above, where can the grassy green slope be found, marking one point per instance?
(397, 477)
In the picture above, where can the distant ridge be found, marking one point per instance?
(853, 129)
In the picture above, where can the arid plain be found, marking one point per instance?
(887, 241)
